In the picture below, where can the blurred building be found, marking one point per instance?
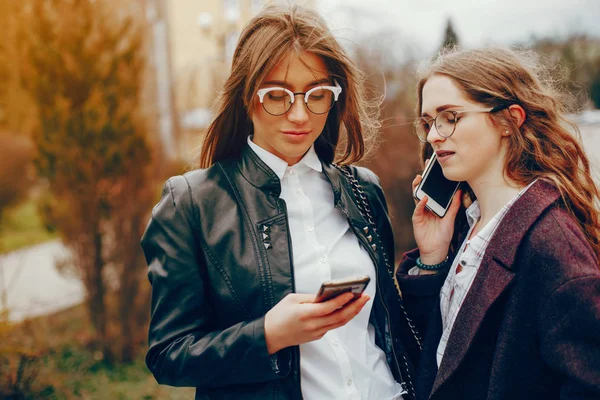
(159, 88)
(194, 43)
(158, 105)
(203, 36)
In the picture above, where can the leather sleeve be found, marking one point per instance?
(420, 293)
(184, 350)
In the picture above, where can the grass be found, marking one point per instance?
(22, 227)
(56, 352)
(66, 367)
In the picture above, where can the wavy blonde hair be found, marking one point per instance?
(272, 34)
(543, 146)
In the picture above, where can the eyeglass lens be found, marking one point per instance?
(278, 102)
(444, 125)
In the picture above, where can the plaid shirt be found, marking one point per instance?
(456, 286)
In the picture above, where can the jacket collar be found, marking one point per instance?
(257, 172)
(495, 274)
(279, 166)
(521, 216)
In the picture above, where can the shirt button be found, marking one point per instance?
(335, 342)
(323, 259)
(349, 382)
(292, 170)
(299, 191)
(310, 228)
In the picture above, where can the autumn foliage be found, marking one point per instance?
(83, 64)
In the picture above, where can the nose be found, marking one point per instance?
(434, 136)
(298, 114)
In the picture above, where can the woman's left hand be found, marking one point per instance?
(296, 319)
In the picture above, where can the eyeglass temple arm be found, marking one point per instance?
(336, 90)
(500, 107)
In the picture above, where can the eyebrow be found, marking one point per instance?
(441, 108)
(283, 83)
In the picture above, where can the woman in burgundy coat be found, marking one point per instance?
(506, 291)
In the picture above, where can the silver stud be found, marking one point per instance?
(265, 236)
(267, 246)
(370, 238)
(266, 229)
(366, 230)
(374, 247)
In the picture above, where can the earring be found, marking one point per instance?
(507, 131)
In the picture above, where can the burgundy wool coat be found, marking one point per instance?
(529, 328)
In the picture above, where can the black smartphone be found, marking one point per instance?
(330, 289)
(437, 188)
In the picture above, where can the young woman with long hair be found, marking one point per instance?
(506, 291)
(238, 249)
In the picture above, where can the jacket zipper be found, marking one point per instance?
(378, 295)
(290, 248)
(296, 350)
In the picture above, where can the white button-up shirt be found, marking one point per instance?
(344, 364)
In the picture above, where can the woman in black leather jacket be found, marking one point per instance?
(237, 250)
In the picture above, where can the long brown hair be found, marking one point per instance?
(543, 147)
(273, 33)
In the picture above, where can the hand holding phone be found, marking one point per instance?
(298, 318)
(330, 289)
(437, 188)
(433, 225)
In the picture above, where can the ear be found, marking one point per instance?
(517, 113)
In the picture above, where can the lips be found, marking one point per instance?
(295, 133)
(443, 153)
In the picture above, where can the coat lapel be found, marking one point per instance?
(427, 369)
(496, 272)
(491, 280)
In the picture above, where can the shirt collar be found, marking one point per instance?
(474, 211)
(279, 166)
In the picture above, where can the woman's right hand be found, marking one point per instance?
(432, 233)
(296, 319)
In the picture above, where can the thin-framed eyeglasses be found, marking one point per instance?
(318, 100)
(445, 122)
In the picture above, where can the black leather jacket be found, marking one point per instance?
(219, 255)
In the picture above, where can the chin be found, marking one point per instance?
(453, 174)
(296, 151)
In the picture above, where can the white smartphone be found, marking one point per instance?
(330, 289)
(437, 188)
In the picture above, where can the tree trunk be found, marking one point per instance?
(97, 290)
(127, 294)
(130, 284)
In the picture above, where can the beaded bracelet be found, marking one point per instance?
(434, 267)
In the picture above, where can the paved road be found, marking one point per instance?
(31, 285)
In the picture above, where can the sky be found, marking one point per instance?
(477, 22)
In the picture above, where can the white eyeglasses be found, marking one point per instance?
(318, 100)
